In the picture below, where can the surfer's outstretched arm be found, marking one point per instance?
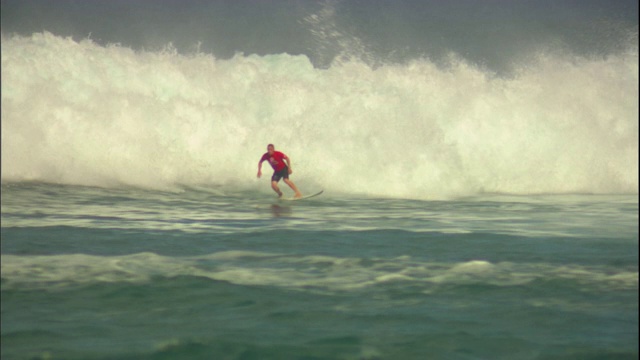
(260, 167)
(288, 162)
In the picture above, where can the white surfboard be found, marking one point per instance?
(303, 197)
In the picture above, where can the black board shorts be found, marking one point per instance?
(284, 173)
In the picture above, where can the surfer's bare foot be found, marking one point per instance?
(279, 194)
(297, 195)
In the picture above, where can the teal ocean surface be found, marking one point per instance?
(90, 273)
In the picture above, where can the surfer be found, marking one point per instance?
(281, 165)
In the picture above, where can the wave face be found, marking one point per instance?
(87, 113)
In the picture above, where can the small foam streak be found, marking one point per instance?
(305, 273)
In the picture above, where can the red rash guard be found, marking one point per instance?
(276, 160)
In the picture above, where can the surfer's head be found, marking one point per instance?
(271, 148)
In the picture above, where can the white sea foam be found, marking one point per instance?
(302, 273)
(81, 113)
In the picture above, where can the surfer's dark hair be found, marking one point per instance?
(271, 146)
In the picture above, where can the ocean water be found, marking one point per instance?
(91, 273)
(479, 162)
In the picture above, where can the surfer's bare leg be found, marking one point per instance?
(293, 187)
(274, 186)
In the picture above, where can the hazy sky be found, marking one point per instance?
(485, 30)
